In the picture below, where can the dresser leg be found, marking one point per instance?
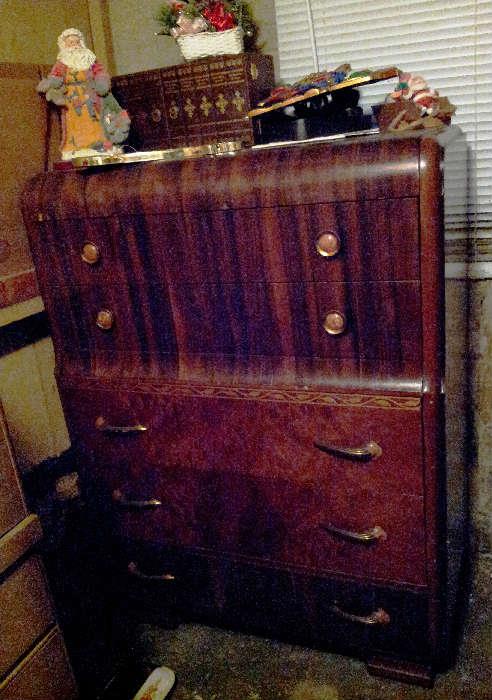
(399, 670)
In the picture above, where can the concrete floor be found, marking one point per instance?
(214, 664)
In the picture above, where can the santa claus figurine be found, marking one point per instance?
(92, 120)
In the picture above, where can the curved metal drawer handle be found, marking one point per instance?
(371, 450)
(104, 427)
(119, 497)
(372, 535)
(133, 570)
(378, 617)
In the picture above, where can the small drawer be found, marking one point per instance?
(12, 506)
(348, 242)
(26, 611)
(45, 674)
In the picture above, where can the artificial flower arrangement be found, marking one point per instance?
(190, 18)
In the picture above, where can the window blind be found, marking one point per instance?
(448, 43)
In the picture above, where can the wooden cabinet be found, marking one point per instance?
(250, 353)
(33, 660)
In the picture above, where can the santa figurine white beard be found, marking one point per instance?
(77, 58)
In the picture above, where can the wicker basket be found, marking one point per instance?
(211, 43)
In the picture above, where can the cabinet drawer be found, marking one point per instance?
(26, 611)
(365, 618)
(350, 241)
(12, 506)
(45, 674)
(344, 615)
(305, 525)
(353, 440)
(364, 321)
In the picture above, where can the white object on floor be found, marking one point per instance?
(157, 685)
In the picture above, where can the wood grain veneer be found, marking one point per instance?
(217, 302)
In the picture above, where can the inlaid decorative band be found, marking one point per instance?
(242, 393)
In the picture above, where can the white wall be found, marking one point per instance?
(136, 47)
(28, 30)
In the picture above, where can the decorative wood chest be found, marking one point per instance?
(250, 354)
(198, 102)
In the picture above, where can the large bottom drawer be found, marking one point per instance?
(265, 432)
(45, 674)
(315, 610)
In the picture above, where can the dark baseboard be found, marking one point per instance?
(26, 331)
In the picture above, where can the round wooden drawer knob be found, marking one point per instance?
(334, 323)
(90, 253)
(328, 245)
(105, 319)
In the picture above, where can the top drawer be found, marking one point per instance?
(347, 170)
(346, 242)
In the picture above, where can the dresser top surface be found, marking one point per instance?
(360, 168)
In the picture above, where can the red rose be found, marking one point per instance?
(216, 14)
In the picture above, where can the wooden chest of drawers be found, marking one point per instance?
(250, 353)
